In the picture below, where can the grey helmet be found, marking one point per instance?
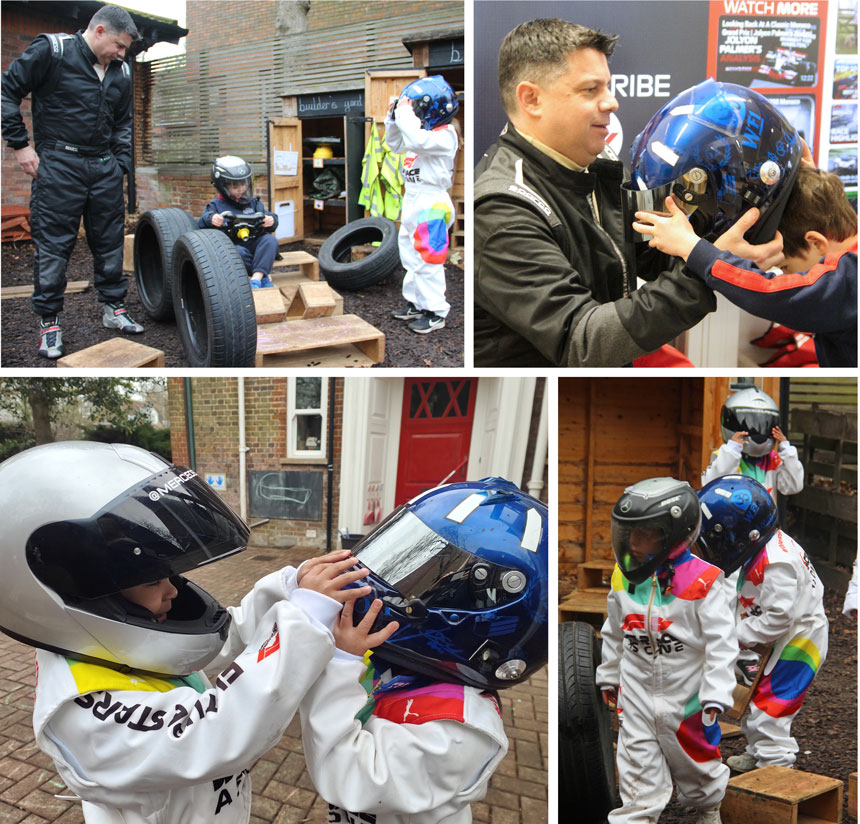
(750, 410)
(93, 519)
(232, 169)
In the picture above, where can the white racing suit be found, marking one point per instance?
(780, 603)
(778, 471)
(428, 168)
(143, 750)
(671, 654)
(398, 751)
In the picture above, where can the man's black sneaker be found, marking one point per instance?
(408, 312)
(116, 317)
(427, 323)
(51, 338)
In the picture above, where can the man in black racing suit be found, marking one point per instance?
(82, 122)
(554, 283)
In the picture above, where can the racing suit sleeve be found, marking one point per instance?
(609, 672)
(113, 746)
(120, 143)
(393, 137)
(523, 278)
(724, 461)
(24, 74)
(780, 592)
(415, 138)
(824, 299)
(384, 767)
(717, 629)
(789, 474)
(205, 220)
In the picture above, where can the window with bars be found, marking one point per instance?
(440, 399)
(307, 405)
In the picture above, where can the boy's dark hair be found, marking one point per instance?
(817, 203)
(537, 50)
(116, 20)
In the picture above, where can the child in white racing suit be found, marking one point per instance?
(779, 603)
(669, 648)
(414, 736)
(134, 727)
(419, 125)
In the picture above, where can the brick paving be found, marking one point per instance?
(283, 792)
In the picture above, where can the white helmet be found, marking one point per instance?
(750, 410)
(87, 520)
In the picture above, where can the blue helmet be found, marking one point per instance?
(720, 149)
(433, 100)
(463, 569)
(738, 518)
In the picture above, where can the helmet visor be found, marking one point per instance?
(420, 565)
(641, 547)
(169, 524)
(758, 422)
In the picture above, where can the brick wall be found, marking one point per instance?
(216, 437)
(214, 25)
(188, 188)
(324, 14)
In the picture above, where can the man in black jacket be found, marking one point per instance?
(82, 121)
(555, 281)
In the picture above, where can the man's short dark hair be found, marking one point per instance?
(116, 20)
(538, 49)
(817, 203)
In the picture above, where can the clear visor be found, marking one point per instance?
(169, 524)
(654, 200)
(239, 191)
(640, 548)
(421, 565)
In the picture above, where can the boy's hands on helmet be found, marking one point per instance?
(764, 255)
(218, 220)
(778, 435)
(739, 437)
(330, 574)
(670, 233)
(358, 639)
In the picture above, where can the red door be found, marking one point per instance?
(435, 432)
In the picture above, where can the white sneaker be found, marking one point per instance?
(711, 816)
(741, 763)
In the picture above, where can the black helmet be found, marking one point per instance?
(652, 522)
(738, 518)
(720, 149)
(231, 169)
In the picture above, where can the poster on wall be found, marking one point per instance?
(775, 47)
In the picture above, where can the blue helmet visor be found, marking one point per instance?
(422, 566)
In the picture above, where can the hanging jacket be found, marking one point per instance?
(381, 184)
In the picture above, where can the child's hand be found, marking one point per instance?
(218, 220)
(671, 233)
(331, 557)
(764, 255)
(404, 103)
(777, 435)
(739, 437)
(268, 220)
(609, 696)
(358, 639)
(329, 575)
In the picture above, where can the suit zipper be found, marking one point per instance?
(648, 616)
(591, 203)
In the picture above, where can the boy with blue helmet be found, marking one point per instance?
(415, 735)
(669, 647)
(778, 603)
(419, 126)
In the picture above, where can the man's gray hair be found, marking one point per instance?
(116, 20)
(537, 50)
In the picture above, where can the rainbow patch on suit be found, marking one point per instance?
(430, 239)
(700, 742)
(782, 690)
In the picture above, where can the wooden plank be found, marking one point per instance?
(128, 254)
(318, 333)
(114, 354)
(785, 784)
(312, 300)
(728, 730)
(73, 287)
(345, 356)
(743, 694)
(852, 794)
(269, 305)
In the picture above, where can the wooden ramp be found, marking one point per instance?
(300, 337)
(116, 353)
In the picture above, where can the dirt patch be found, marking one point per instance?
(81, 316)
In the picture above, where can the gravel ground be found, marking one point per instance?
(81, 316)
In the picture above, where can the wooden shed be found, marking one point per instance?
(613, 432)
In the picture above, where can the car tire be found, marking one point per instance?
(154, 237)
(213, 301)
(342, 272)
(585, 757)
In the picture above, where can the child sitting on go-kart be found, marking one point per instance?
(236, 203)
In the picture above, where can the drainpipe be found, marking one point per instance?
(330, 464)
(243, 449)
(535, 483)
(189, 424)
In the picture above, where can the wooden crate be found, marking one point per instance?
(780, 795)
(313, 300)
(269, 305)
(116, 353)
(584, 606)
(307, 263)
(852, 794)
(595, 576)
(301, 337)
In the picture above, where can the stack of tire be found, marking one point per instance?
(196, 276)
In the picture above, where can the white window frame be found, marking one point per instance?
(293, 414)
